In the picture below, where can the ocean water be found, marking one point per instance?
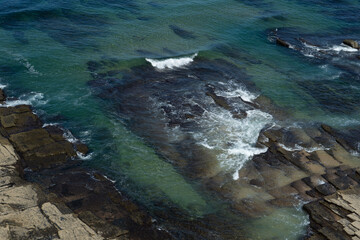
(129, 78)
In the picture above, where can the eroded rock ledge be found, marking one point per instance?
(60, 199)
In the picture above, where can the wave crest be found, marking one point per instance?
(171, 63)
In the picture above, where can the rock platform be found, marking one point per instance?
(45, 193)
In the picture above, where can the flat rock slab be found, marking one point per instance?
(336, 216)
(27, 212)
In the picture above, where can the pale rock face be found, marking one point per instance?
(68, 226)
(20, 214)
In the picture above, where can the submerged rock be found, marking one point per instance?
(181, 32)
(282, 43)
(44, 208)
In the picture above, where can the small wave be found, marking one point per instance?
(49, 124)
(342, 47)
(25, 62)
(83, 156)
(33, 99)
(68, 136)
(171, 63)
(299, 148)
(239, 92)
(2, 86)
(311, 49)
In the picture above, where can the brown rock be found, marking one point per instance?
(17, 109)
(81, 147)
(219, 100)
(351, 43)
(302, 188)
(107, 230)
(343, 183)
(314, 181)
(2, 96)
(26, 141)
(257, 182)
(49, 155)
(326, 189)
(239, 115)
(19, 122)
(55, 132)
(324, 158)
(282, 43)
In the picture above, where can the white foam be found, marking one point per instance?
(232, 140)
(297, 147)
(25, 62)
(83, 156)
(32, 99)
(342, 47)
(310, 49)
(239, 92)
(171, 63)
(2, 86)
(68, 136)
(49, 124)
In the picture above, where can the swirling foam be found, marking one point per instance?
(233, 139)
(32, 99)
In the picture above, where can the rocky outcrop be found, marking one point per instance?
(351, 43)
(336, 216)
(60, 199)
(282, 43)
(2, 96)
(26, 212)
(300, 165)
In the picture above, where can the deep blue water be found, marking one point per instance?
(95, 67)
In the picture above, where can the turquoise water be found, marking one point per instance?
(53, 55)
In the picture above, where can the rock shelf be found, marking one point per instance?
(46, 193)
(60, 199)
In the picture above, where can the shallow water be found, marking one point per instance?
(55, 55)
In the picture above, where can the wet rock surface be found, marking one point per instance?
(351, 43)
(298, 164)
(60, 199)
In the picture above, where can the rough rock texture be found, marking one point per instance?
(351, 43)
(61, 199)
(24, 211)
(336, 216)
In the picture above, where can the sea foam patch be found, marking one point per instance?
(233, 139)
(28, 99)
(171, 63)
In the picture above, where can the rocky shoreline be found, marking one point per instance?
(45, 193)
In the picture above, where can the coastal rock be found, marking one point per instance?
(40, 150)
(82, 148)
(219, 100)
(351, 43)
(282, 43)
(68, 226)
(37, 210)
(2, 96)
(336, 216)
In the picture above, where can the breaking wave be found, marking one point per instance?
(171, 63)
